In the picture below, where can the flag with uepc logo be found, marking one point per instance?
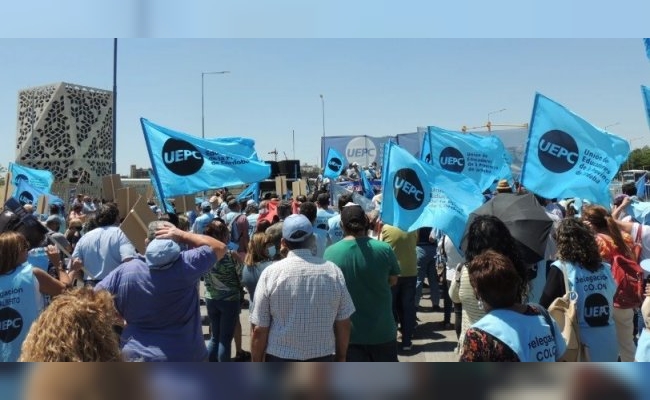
(184, 164)
(417, 195)
(334, 164)
(25, 193)
(566, 156)
(481, 158)
(37, 178)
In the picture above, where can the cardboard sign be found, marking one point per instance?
(110, 185)
(43, 206)
(281, 185)
(184, 203)
(299, 188)
(126, 199)
(150, 194)
(7, 190)
(136, 224)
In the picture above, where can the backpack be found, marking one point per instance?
(628, 276)
(564, 312)
(638, 245)
(235, 235)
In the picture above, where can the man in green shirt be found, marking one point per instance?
(404, 245)
(370, 268)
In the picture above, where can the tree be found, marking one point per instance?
(638, 159)
(3, 173)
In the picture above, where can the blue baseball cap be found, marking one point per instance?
(296, 228)
(162, 253)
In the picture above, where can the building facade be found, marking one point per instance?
(68, 130)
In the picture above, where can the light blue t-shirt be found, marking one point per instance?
(102, 250)
(334, 231)
(322, 217)
(321, 241)
(19, 308)
(201, 222)
(252, 224)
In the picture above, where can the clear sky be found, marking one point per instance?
(376, 87)
(331, 18)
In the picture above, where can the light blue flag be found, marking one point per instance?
(645, 91)
(37, 178)
(368, 190)
(251, 192)
(25, 193)
(640, 211)
(417, 195)
(164, 203)
(333, 164)
(640, 187)
(566, 156)
(242, 146)
(338, 190)
(184, 164)
(425, 152)
(646, 41)
(479, 157)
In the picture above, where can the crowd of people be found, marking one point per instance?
(323, 283)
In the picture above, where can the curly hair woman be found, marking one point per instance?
(580, 268)
(612, 242)
(486, 232)
(76, 327)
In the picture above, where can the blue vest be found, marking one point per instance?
(18, 309)
(335, 232)
(595, 297)
(643, 347)
(322, 216)
(38, 258)
(529, 336)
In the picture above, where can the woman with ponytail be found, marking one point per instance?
(612, 242)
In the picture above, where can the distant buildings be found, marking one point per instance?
(138, 173)
(67, 129)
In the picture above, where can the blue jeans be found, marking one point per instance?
(427, 269)
(223, 316)
(404, 306)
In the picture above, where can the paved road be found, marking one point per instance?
(430, 343)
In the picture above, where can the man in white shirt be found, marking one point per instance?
(302, 306)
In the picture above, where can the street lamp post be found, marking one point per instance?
(203, 74)
(489, 124)
(322, 101)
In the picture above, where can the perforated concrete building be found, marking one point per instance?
(67, 129)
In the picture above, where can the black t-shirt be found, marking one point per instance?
(554, 287)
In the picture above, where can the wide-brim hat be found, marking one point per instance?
(504, 185)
